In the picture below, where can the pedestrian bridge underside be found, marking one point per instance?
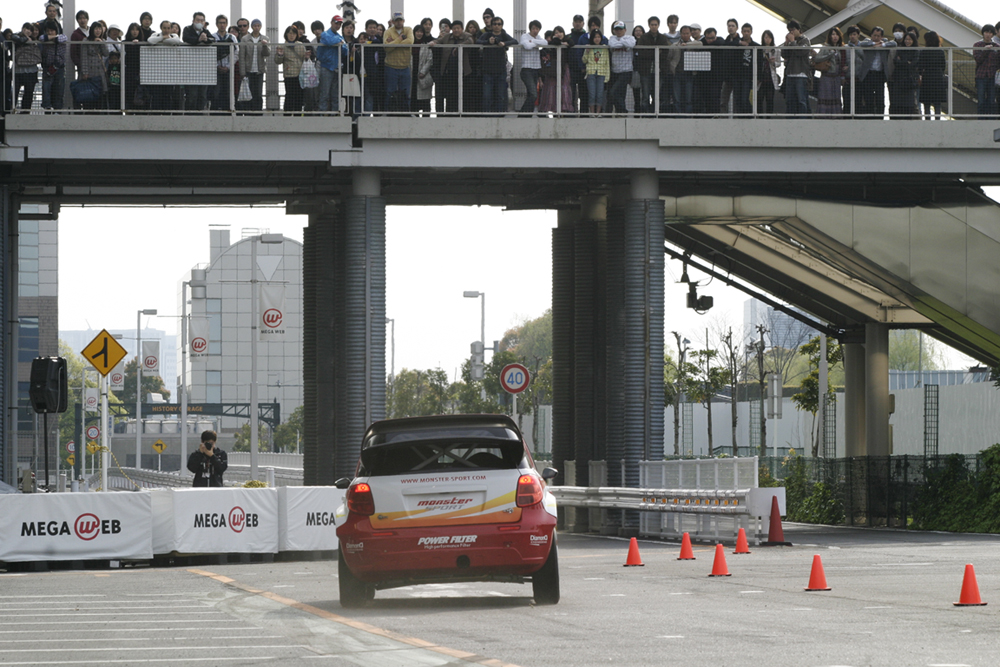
(933, 266)
(900, 235)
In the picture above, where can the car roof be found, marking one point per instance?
(389, 426)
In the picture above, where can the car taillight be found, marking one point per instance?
(360, 500)
(529, 491)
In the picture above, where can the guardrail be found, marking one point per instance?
(690, 80)
(709, 498)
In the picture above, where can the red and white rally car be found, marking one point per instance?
(444, 499)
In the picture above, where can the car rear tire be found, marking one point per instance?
(354, 593)
(545, 582)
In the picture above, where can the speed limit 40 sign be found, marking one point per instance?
(514, 378)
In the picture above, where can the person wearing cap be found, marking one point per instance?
(621, 46)
(531, 64)
(496, 40)
(254, 51)
(197, 34)
(397, 64)
(114, 39)
(328, 55)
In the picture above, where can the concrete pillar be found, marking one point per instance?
(625, 11)
(614, 328)
(458, 10)
(877, 389)
(854, 400)
(518, 26)
(644, 313)
(235, 12)
(8, 347)
(344, 328)
(319, 346)
(563, 447)
(588, 341)
(275, 35)
(397, 6)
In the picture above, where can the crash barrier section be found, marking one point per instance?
(75, 526)
(216, 520)
(306, 517)
(143, 524)
(711, 499)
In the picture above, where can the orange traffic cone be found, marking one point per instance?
(741, 543)
(719, 568)
(817, 579)
(687, 553)
(775, 533)
(970, 590)
(633, 555)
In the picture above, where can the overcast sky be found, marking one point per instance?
(114, 261)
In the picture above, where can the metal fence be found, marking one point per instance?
(482, 79)
(878, 491)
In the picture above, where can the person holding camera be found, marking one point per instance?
(209, 462)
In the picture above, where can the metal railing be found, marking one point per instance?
(477, 80)
(708, 498)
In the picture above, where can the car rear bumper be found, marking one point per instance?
(441, 553)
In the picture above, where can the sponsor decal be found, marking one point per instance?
(539, 540)
(354, 547)
(236, 520)
(446, 542)
(86, 527)
(443, 478)
(444, 504)
(320, 518)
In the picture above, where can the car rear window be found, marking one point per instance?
(454, 453)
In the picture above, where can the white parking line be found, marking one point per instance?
(200, 626)
(140, 613)
(131, 621)
(38, 597)
(137, 648)
(138, 661)
(3, 611)
(132, 639)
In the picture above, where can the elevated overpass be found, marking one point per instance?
(895, 233)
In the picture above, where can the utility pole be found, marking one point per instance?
(762, 379)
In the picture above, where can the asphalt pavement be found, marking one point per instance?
(890, 603)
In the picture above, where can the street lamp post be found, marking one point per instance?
(193, 283)
(254, 333)
(392, 367)
(472, 294)
(138, 385)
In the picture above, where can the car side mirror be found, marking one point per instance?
(343, 483)
(549, 473)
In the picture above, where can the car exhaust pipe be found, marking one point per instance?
(462, 562)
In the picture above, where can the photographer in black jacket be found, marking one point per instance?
(209, 462)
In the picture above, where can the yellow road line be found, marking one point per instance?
(357, 625)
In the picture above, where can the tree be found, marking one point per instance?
(732, 348)
(531, 339)
(708, 380)
(151, 384)
(415, 393)
(242, 441)
(909, 351)
(808, 397)
(288, 433)
(677, 384)
(786, 335)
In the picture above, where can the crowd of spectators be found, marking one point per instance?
(400, 69)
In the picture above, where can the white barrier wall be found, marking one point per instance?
(305, 517)
(215, 520)
(77, 526)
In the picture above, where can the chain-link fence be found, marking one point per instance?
(886, 491)
(459, 76)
